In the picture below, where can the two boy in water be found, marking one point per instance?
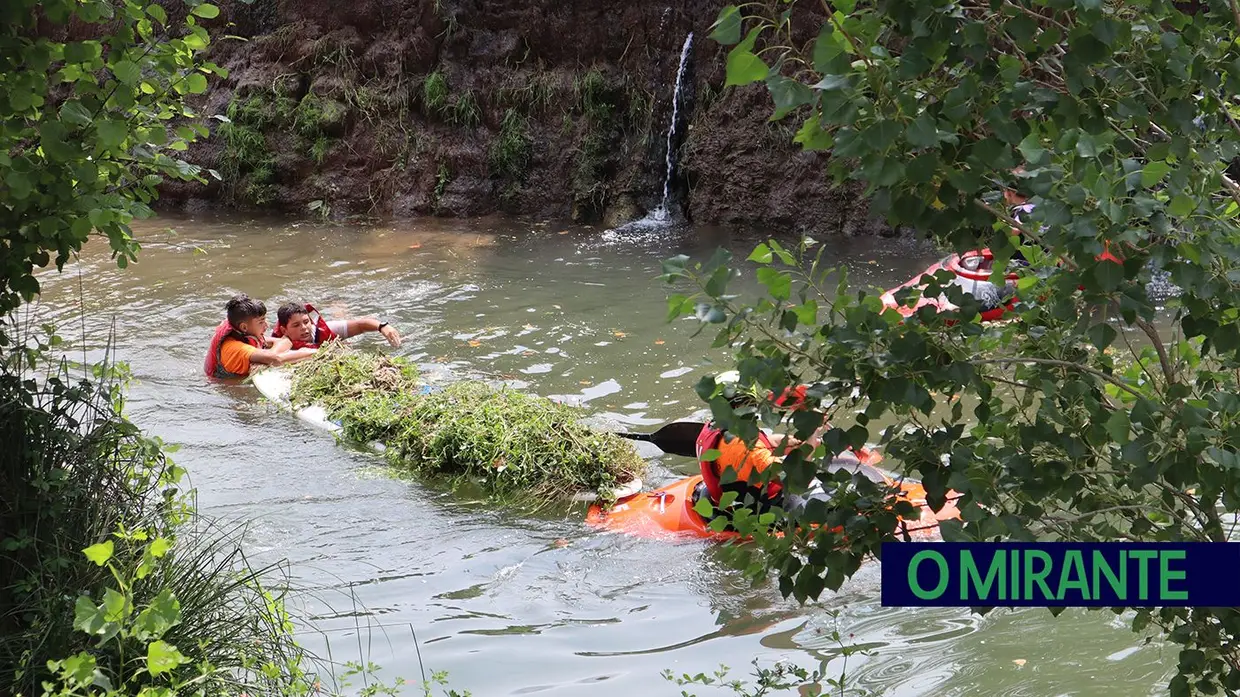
(241, 339)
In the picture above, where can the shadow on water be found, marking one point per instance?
(545, 604)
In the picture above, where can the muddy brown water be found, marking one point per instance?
(401, 574)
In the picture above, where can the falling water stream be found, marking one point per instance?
(663, 214)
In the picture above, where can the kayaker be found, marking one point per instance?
(240, 341)
(294, 322)
(746, 464)
(1019, 206)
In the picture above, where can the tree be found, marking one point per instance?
(89, 127)
(1090, 416)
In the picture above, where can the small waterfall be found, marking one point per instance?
(662, 211)
(663, 214)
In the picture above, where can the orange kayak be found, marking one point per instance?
(668, 512)
(972, 272)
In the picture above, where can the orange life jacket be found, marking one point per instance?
(212, 365)
(322, 333)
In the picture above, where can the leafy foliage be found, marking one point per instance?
(1097, 413)
(113, 581)
(91, 126)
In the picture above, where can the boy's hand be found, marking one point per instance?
(389, 332)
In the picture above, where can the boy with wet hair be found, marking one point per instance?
(294, 321)
(240, 341)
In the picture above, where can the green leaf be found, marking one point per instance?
(19, 184)
(82, 51)
(745, 68)
(761, 254)
(81, 668)
(1031, 149)
(778, 283)
(1182, 206)
(828, 45)
(1109, 275)
(206, 11)
(53, 139)
(1153, 172)
(196, 83)
(112, 133)
(1118, 426)
(157, 13)
(812, 137)
(1101, 335)
(788, 95)
(923, 132)
(1086, 145)
(162, 614)
(127, 72)
(807, 313)
(727, 27)
(73, 112)
(162, 657)
(160, 546)
(87, 616)
(704, 507)
(115, 605)
(99, 553)
(832, 82)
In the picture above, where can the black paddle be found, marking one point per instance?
(680, 438)
(676, 438)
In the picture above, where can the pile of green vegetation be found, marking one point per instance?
(338, 375)
(511, 443)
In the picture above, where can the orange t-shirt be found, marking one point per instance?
(235, 356)
(734, 455)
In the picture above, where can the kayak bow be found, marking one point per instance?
(971, 272)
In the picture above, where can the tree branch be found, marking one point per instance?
(840, 28)
(1063, 364)
(1163, 359)
(1044, 18)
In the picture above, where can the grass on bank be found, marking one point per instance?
(511, 443)
(79, 476)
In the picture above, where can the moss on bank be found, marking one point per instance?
(513, 444)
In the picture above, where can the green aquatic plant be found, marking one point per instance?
(338, 375)
(508, 442)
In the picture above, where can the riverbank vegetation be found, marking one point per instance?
(1100, 414)
(114, 586)
(514, 445)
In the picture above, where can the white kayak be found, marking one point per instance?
(276, 383)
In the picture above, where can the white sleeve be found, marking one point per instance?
(339, 326)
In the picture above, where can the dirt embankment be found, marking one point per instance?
(548, 108)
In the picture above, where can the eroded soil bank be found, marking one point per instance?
(548, 108)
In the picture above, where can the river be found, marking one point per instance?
(396, 573)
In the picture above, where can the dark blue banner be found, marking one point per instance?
(1061, 574)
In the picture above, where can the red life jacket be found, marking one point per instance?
(322, 333)
(211, 365)
(708, 439)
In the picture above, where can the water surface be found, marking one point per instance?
(406, 576)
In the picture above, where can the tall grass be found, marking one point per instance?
(77, 475)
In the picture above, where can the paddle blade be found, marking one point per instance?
(678, 438)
